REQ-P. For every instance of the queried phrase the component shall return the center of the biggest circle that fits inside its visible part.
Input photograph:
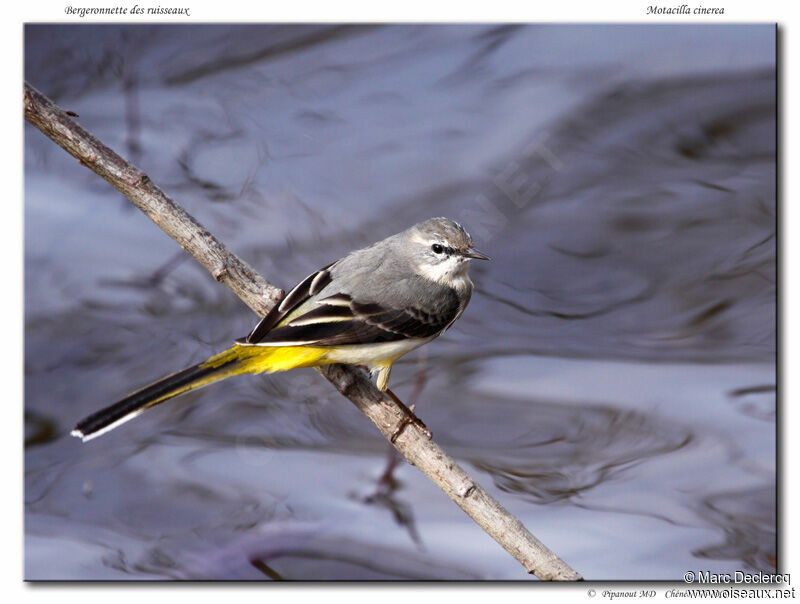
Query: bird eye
(438, 249)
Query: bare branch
(260, 296)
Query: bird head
(442, 250)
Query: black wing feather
(368, 323)
(351, 321)
(308, 287)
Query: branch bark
(413, 443)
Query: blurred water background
(612, 381)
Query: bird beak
(473, 253)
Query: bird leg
(383, 378)
(410, 418)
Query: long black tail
(149, 396)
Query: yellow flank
(267, 359)
(240, 359)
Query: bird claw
(410, 418)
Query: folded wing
(339, 319)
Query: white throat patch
(451, 272)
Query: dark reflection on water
(613, 376)
(747, 519)
(566, 453)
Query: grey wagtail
(369, 308)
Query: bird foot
(409, 419)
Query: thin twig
(413, 443)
